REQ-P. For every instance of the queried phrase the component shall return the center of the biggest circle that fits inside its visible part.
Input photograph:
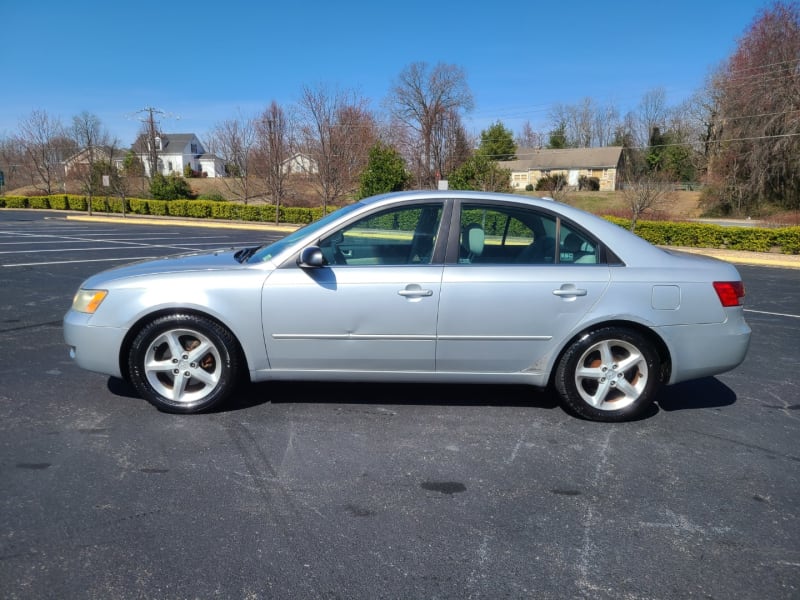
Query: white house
(300, 163)
(176, 151)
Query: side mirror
(312, 257)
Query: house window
(194, 148)
(158, 143)
(169, 164)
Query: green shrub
(214, 197)
(706, 235)
(41, 202)
(16, 202)
(138, 206)
(157, 207)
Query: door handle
(569, 292)
(417, 292)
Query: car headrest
(572, 243)
(473, 239)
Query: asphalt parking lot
(377, 491)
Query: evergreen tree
(385, 172)
(171, 187)
(558, 137)
(481, 173)
(497, 142)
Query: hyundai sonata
(427, 286)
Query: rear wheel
(183, 363)
(609, 374)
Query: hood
(213, 260)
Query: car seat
(472, 242)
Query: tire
(184, 363)
(609, 374)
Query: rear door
(505, 309)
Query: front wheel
(183, 363)
(609, 374)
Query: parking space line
(66, 262)
(774, 314)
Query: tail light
(730, 292)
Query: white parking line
(66, 262)
(774, 314)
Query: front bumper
(93, 348)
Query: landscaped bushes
(704, 235)
(195, 209)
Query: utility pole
(150, 123)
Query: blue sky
(203, 62)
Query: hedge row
(705, 235)
(196, 209)
(693, 235)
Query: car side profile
(425, 286)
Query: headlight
(87, 301)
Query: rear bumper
(706, 350)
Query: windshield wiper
(245, 253)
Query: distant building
(300, 164)
(79, 162)
(176, 151)
(533, 163)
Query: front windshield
(267, 252)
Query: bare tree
(274, 147)
(528, 138)
(424, 99)
(648, 192)
(91, 137)
(12, 162)
(337, 130)
(44, 142)
(652, 113)
(582, 117)
(586, 125)
(452, 146)
(234, 140)
(606, 123)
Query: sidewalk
(766, 259)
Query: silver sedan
(421, 286)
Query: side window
(492, 234)
(401, 236)
(576, 247)
(541, 250)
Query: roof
(567, 158)
(172, 143)
(176, 142)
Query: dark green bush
(16, 202)
(214, 197)
(705, 235)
